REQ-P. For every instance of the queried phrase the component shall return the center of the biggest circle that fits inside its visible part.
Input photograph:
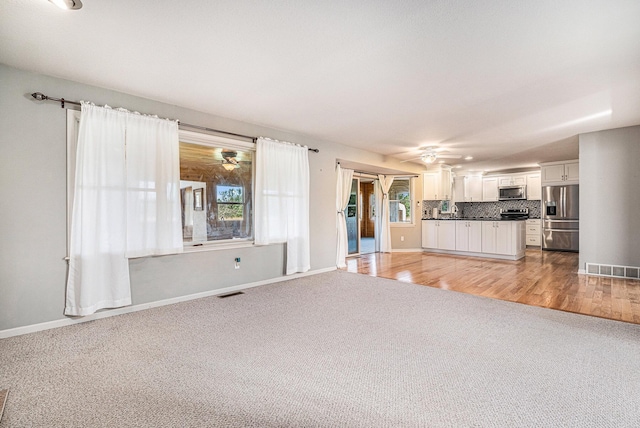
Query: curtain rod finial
(39, 96)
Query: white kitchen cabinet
(429, 234)
(439, 234)
(437, 185)
(489, 189)
(567, 172)
(512, 180)
(459, 189)
(492, 239)
(447, 234)
(534, 187)
(503, 237)
(467, 189)
(533, 235)
(469, 236)
(473, 188)
(430, 182)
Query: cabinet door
(519, 180)
(473, 189)
(462, 235)
(490, 189)
(504, 181)
(534, 187)
(572, 171)
(504, 235)
(475, 236)
(445, 184)
(552, 173)
(430, 186)
(488, 237)
(459, 184)
(429, 234)
(447, 235)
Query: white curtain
(385, 229)
(377, 225)
(343, 191)
(282, 200)
(126, 203)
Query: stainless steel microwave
(508, 193)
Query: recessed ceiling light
(67, 4)
(468, 158)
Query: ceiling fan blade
(412, 159)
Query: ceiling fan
(431, 153)
(229, 161)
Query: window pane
(400, 201)
(216, 188)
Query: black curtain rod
(42, 97)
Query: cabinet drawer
(533, 221)
(533, 240)
(533, 229)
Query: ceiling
(511, 83)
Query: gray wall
(610, 197)
(33, 204)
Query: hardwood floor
(548, 279)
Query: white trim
(582, 272)
(406, 250)
(135, 308)
(214, 140)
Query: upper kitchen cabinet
(467, 188)
(490, 189)
(512, 180)
(565, 172)
(534, 187)
(437, 185)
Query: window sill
(214, 246)
(402, 224)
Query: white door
(503, 237)
(447, 234)
(462, 235)
(429, 234)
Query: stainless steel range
(514, 214)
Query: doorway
(360, 216)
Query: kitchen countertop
(477, 219)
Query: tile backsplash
(483, 209)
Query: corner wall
(33, 204)
(610, 197)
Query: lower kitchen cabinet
(494, 239)
(469, 236)
(439, 234)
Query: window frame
(211, 140)
(411, 202)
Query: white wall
(33, 204)
(610, 197)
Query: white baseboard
(142, 306)
(406, 250)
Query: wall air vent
(613, 271)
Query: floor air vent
(613, 271)
(224, 296)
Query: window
(400, 201)
(216, 185)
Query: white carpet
(331, 350)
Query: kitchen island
(482, 237)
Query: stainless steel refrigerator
(560, 218)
